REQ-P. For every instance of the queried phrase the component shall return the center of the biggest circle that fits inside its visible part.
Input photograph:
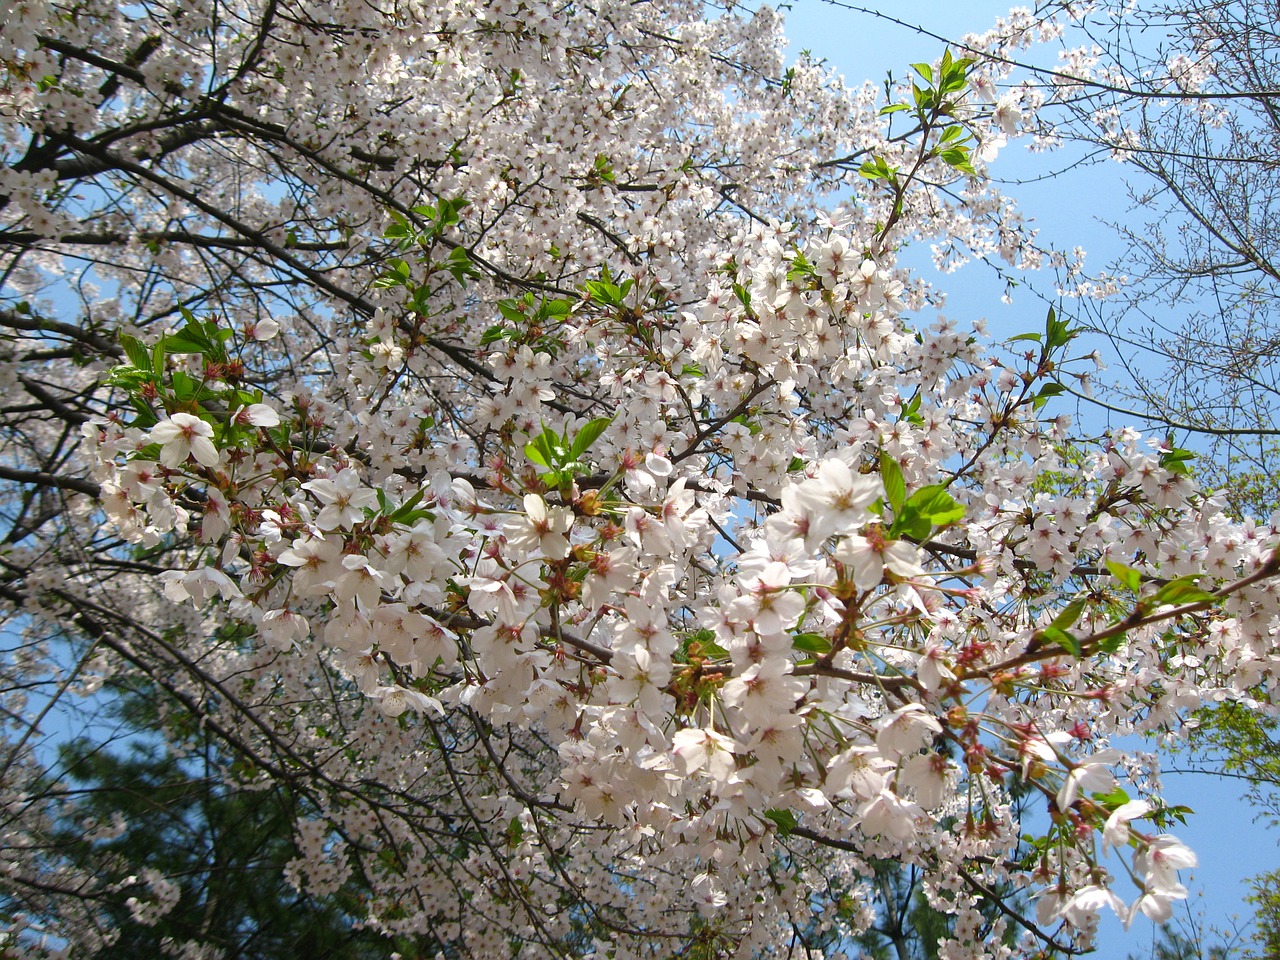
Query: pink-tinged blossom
(393, 701)
(698, 749)
(1086, 903)
(835, 500)
(256, 415)
(1116, 831)
(198, 585)
(1093, 775)
(542, 528)
(764, 691)
(933, 668)
(318, 562)
(344, 497)
(867, 558)
(283, 629)
(928, 775)
(906, 730)
(184, 436)
(360, 582)
(769, 606)
(887, 813)
(1158, 862)
(859, 771)
(1156, 907)
(262, 330)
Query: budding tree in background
(508, 431)
(1184, 95)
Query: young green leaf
(1128, 576)
(811, 643)
(895, 487)
(1181, 591)
(588, 435)
(786, 820)
(935, 505)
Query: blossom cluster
(612, 535)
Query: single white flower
(542, 528)
(1086, 902)
(1116, 831)
(182, 436)
(344, 497)
(868, 557)
(263, 329)
(257, 415)
(926, 773)
(1093, 775)
(1158, 864)
(696, 748)
(906, 730)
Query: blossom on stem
(344, 497)
(184, 436)
(542, 528)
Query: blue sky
(1230, 845)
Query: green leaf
(895, 487)
(1067, 641)
(588, 435)
(405, 508)
(184, 388)
(136, 351)
(878, 169)
(459, 265)
(1066, 619)
(1024, 336)
(1175, 460)
(811, 643)
(703, 644)
(1111, 800)
(1057, 332)
(785, 819)
(535, 451)
(1128, 576)
(146, 418)
(495, 333)
(604, 293)
(910, 524)
(1113, 643)
(713, 651)
(1046, 392)
(1181, 591)
(925, 70)
(911, 411)
(510, 310)
(184, 342)
(547, 449)
(934, 504)
(515, 832)
(1163, 816)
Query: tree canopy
(507, 437)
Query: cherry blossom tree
(1181, 98)
(509, 429)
